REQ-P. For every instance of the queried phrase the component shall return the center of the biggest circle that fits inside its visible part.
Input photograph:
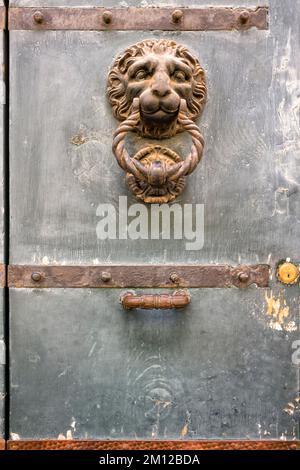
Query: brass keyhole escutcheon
(288, 273)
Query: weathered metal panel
(2, 344)
(222, 368)
(245, 217)
(82, 367)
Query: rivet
(107, 17)
(105, 276)
(243, 277)
(177, 16)
(38, 17)
(244, 16)
(174, 277)
(36, 277)
(288, 273)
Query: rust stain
(153, 445)
(136, 18)
(78, 140)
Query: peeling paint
(68, 436)
(2, 353)
(291, 326)
(293, 407)
(73, 424)
(184, 430)
(279, 311)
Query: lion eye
(179, 75)
(141, 75)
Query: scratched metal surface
(230, 346)
(82, 367)
(248, 179)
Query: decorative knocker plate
(157, 89)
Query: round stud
(38, 17)
(243, 277)
(105, 276)
(36, 277)
(177, 16)
(244, 16)
(174, 278)
(288, 273)
(107, 17)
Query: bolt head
(36, 277)
(38, 17)
(243, 277)
(244, 16)
(107, 17)
(177, 16)
(174, 277)
(105, 276)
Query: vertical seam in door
(6, 213)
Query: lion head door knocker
(157, 89)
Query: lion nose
(161, 87)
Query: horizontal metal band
(2, 444)
(146, 19)
(151, 445)
(138, 276)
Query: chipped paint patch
(68, 436)
(14, 436)
(293, 407)
(2, 353)
(291, 326)
(184, 430)
(278, 311)
(73, 424)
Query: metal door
(82, 367)
(2, 260)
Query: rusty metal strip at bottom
(138, 276)
(147, 19)
(2, 444)
(2, 275)
(151, 445)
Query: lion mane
(116, 85)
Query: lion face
(160, 73)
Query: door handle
(179, 299)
